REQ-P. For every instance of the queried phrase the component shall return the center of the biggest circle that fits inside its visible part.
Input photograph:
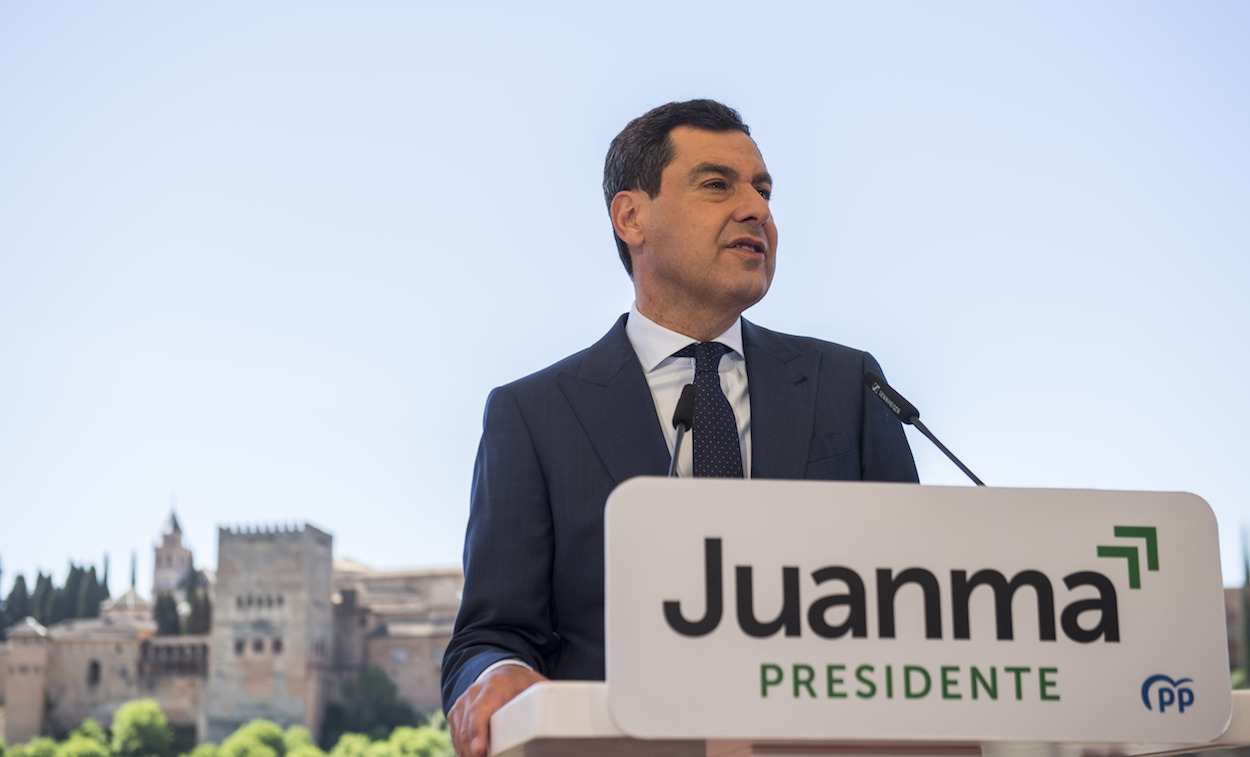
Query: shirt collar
(655, 344)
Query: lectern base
(571, 719)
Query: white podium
(774, 618)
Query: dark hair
(640, 153)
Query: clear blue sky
(271, 257)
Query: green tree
(259, 738)
(65, 601)
(41, 746)
(165, 613)
(245, 745)
(104, 582)
(301, 750)
(371, 705)
(379, 749)
(297, 736)
(88, 603)
(91, 728)
(141, 730)
(41, 599)
(78, 745)
(17, 606)
(438, 721)
(207, 749)
(425, 741)
(200, 620)
(350, 745)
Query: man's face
(708, 243)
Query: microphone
(683, 420)
(907, 413)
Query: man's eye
(765, 192)
(716, 184)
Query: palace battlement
(272, 532)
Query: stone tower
(26, 700)
(272, 636)
(171, 562)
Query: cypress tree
(65, 604)
(165, 613)
(201, 614)
(17, 606)
(88, 605)
(41, 599)
(201, 611)
(191, 581)
(197, 600)
(104, 582)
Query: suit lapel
(781, 380)
(611, 399)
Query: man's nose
(753, 208)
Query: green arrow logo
(1150, 535)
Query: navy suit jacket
(555, 444)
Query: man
(688, 195)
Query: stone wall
(27, 660)
(91, 678)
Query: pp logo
(1167, 693)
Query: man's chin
(749, 296)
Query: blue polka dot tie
(717, 453)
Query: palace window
(93, 673)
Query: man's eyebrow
(763, 177)
(716, 168)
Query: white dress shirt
(666, 375)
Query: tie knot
(706, 355)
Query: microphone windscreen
(684, 414)
(899, 405)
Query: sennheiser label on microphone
(877, 390)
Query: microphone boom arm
(916, 422)
(907, 413)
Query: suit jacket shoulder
(601, 394)
(811, 415)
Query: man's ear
(626, 212)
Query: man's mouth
(750, 245)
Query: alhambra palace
(289, 624)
